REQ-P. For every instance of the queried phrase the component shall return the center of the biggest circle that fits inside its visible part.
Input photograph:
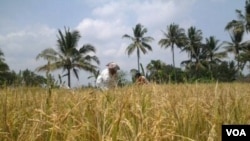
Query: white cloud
(116, 18)
(108, 10)
(21, 47)
(153, 13)
(158, 13)
(106, 36)
(100, 29)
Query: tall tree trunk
(210, 67)
(172, 47)
(69, 78)
(237, 58)
(138, 59)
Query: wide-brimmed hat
(113, 65)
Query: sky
(29, 26)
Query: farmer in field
(140, 79)
(108, 78)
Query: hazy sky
(29, 26)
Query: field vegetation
(169, 112)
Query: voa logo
(236, 132)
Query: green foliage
(122, 79)
(68, 57)
(7, 78)
(159, 72)
(225, 72)
(29, 78)
(4, 70)
(24, 78)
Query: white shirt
(105, 80)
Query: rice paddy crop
(170, 112)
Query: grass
(183, 112)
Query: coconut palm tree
(193, 47)
(246, 17)
(139, 42)
(243, 22)
(212, 47)
(236, 29)
(236, 45)
(175, 36)
(245, 55)
(212, 53)
(68, 57)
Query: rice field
(170, 112)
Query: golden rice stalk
(212, 134)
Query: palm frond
(130, 49)
(76, 73)
(143, 31)
(96, 59)
(239, 14)
(48, 54)
(61, 42)
(87, 48)
(129, 37)
(164, 43)
(147, 39)
(146, 47)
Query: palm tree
(196, 65)
(243, 22)
(235, 46)
(236, 29)
(245, 55)
(139, 42)
(236, 25)
(193, 47)
(68, 57)
(212, 47)
(173, 36)
(212, 54)
(247, 15)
